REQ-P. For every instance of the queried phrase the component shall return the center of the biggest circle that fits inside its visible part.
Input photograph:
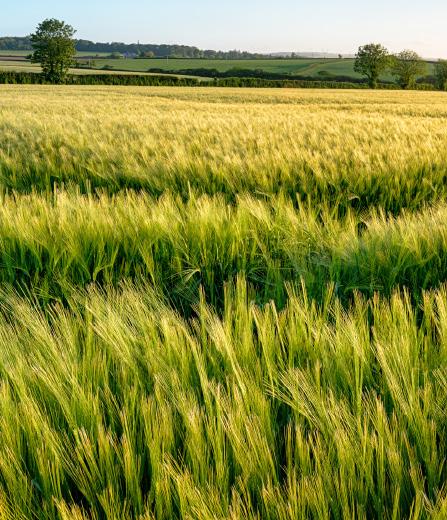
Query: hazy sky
(256, 25)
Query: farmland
(313, 67)
(8, 65)
(316, 68)
(222, 303)
(289, 66)
(301, 67)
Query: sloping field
(298, 66)
(295, 66)
(304, 67)
(222, 303)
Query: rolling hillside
(280, 66)
(311, 67)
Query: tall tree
(54, 49)
(406, 67)
(441, 74)
(371, 61)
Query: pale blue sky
(256, 25)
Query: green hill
(315, 67)
(309, 67)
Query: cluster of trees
(373, 59)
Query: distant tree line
(9, 43)
(136, 49)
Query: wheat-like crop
(221, 303)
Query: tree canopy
(441, 74)
(54, 48)
(406, 67)
(371, 61)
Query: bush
(441, 74)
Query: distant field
(18, 66)
(303, 67)
(26, 66)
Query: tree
(441, 74)
(371, 61)
(54, 49)
(406, 67)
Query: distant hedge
(24, 78)
(274, 83)
(310, 83)
(237, 72)
(29, 78)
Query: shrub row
(309, 83)
(274, 83)
(22, 78)
(237, 72)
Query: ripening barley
(220, 303)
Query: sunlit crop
(222, 304)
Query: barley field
(222, 304)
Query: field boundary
(146, 80)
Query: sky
(253, 25)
